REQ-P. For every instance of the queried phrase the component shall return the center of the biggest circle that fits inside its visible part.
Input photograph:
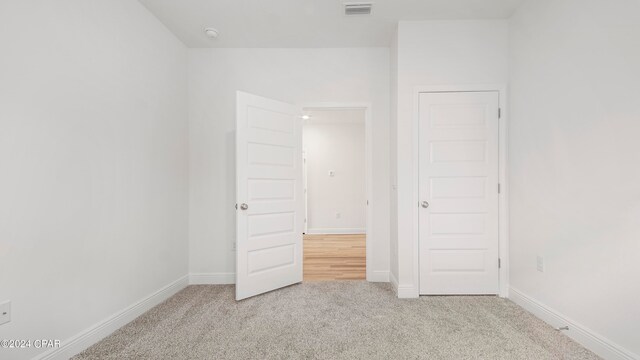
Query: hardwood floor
(334, 257)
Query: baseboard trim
(407, 292)
(99, 331)
(378, 276)
(393, 280)
(212, 278)
(403, 291)
(230, 278)
(348, 231)
(591, 340)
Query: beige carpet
(334, 320)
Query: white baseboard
(230, 278)
(407, 292)
(403, 291)
(327, 231)
(212, 278)
(378, 276)
(591, 340)
(393, 280)
(99, 331)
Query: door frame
(503, 202)
(368, 168)
(304, 185)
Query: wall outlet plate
(540, 263)
(5, 312)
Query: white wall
(393, 159)
(436, 53)
(574, 161)
(93, 163)
(338, 147)
(294, 75)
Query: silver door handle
(424, 204)
(244, 206)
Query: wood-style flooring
(334, 257)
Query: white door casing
(305, 191)
(458, 178)
(269, 183)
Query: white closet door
(459, 193)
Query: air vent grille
(357, 9)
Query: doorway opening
(335, 193)
(270, 204)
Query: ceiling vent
(357, 9)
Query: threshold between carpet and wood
(334, 320)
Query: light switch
(332, 173)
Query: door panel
(269, 182)
(459, 180)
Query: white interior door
(269, 195)
(459, 166)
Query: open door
(270, 207)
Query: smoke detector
(211, 32)
(359, 8)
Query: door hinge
(499, 113)
(499, 188)
(236, 206)
(499, 264)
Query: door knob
(244, 206)
(424, 204)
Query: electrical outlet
(5, 312)
(338, 215)
(540, 263)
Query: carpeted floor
(334, 320)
